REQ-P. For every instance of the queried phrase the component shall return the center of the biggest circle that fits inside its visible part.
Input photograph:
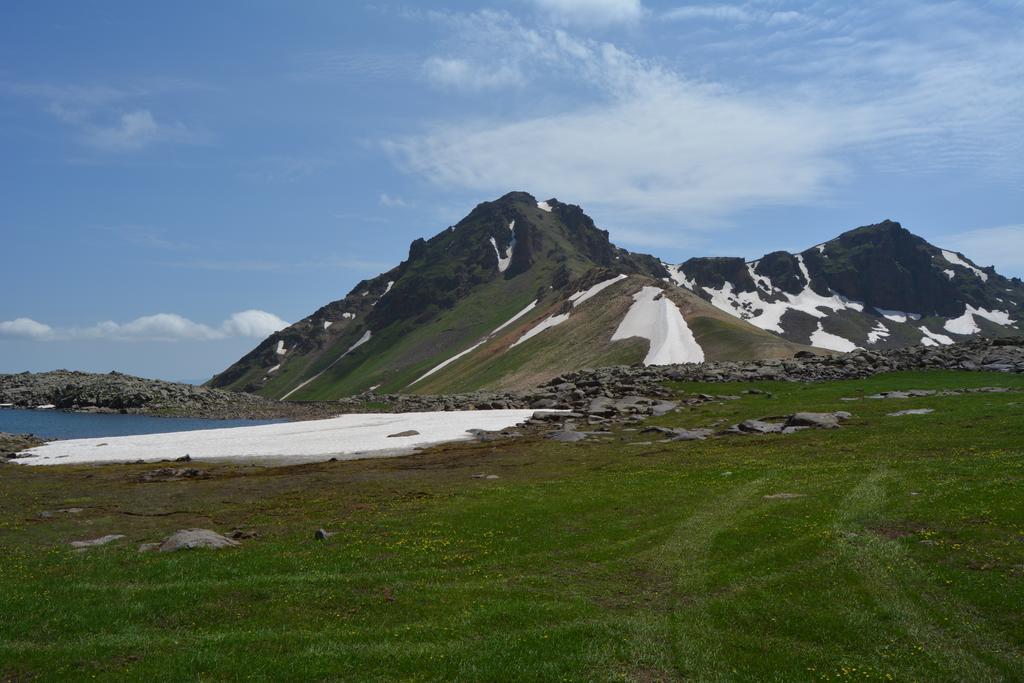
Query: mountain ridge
(521, 290)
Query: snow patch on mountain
(328, 323)
(546, 324)
(544, 206)
(933, 339)
(579, 297)
(281, 350)
(966, 324)
(655, 317)
(955, 259)
(767, 314)
(897, 316)
(362, 340)
(505, 259)
(474, 347)
(878, 332)
(827, 340)
(677, 276)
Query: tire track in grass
(685, 558)
(936, 621)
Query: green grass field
(901, 556)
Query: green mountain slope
(456, 290)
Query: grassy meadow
(891, 549)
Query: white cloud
(605, 127)
(718, 12)
(593, 12)
(253, 323)
(159, 327)
(164, 327)
(650, 141)
(108, 118)
(391, 202)
(25, 328)
(463, 74)
(1001, 246)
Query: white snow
(391, 283)
(679, 277)
(955, 259)
(517, 316)
(827, 340)
(362, 340)
(579, 297)
(504, 260)
(898, 316)
(280, 347)
(545, 324)
(655, 317)
(544, 206)
(966, 324)
(274, 369)
(328, 323)
(760, 281)
(878, 332)
(480, 343)
(933, 339)
(6, 405)
(46, 406)
(348, 316)
(949, 273)
(820, 248)
(374, 387)
(347, 437)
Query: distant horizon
(167, 209)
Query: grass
(611, 559)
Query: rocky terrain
(118, 393)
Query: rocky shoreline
(116, 392)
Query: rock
(784, 496)
(149, 547)
(486, 476)
(191, 539)
(914, 411)
(817, 420)
(691, 434)
(322, 534)
(102, 540)
(408, 432)
(757, 427)
(172, 474)
(184, 458)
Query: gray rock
(817, 420)
(191, 539)
(102, 540)
(408, 432)
(784, 496)
(915, 411)
(757, 427)
(322, 534)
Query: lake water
(56, 424)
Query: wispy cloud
(592, 12)
(391, 201)
(111, 119)
(462, 74)
(639, 135)
(164, 327)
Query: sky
(181, 179)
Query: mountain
(514, 294)
(521, 291)
(878, 286)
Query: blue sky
(181, 178)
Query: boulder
(192, 539)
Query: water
(56, 424)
